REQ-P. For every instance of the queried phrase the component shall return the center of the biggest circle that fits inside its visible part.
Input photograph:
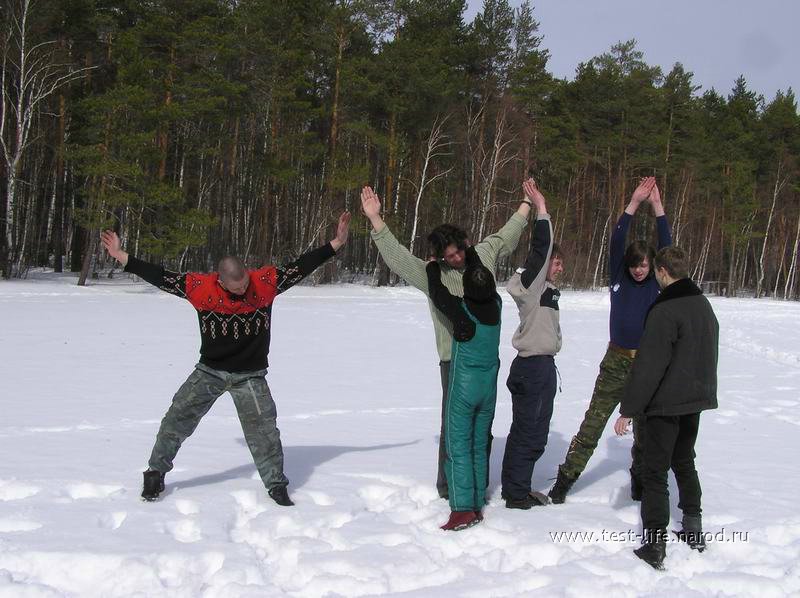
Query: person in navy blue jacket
(633, 290)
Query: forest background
(199, 128)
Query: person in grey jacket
(532, 378)
(673, 379)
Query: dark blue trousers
(532, 383)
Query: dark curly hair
(445, 235)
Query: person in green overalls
(472, 389)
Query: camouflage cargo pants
(607, 394)
(255, 408)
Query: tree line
(200, 128)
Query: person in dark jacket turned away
(472, 385)
(673, 379)
(234, 310)
(532, 377)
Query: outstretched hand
(342, 231)
(370, 202)
(532, 192)
(113, 246)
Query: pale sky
(716, 39)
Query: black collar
(680, 288)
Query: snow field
(88, 374)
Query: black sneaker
(281, 496)
(153, 485)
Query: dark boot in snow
(558, 493)
(654, 548)
(478, 515)
(692, 532)
(532, 499)
(460, 520)
(281, 496)
(636, 487)
(153, 485)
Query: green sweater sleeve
(400, 260)
(503, 242)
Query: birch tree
(30, 74)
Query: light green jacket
(412, 269)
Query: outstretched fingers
(110, 241)
(370, 203)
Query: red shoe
(478, 515)
(460, 520)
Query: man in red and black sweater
(234, 310)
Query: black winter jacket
(675, 370)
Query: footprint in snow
(184, 530)
(320, 498)
(88, 490)
(113, 520)
(187, 507)
(8, 525)
(13, 490)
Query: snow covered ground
(87, 374)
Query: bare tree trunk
(788, 288)
(780, 267)
(779, 184)
(437, 145)
(58, 207)
(600, 256)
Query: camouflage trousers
(607, 394)
(255, 408)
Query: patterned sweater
(234, 329)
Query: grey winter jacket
(675, 370)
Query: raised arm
(662, 226)
(448, 304)
(616, 251)
(505, 240)
(542, 243)
(397, 257)
(290, 274)
(171, 282)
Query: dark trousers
(532, 383)
(441, 476)
(669, 444)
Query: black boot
(636, 487)
(558, 493)
(153, 485)
(532, 499)
(654, 548)
(281, 496)
(692, 532)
